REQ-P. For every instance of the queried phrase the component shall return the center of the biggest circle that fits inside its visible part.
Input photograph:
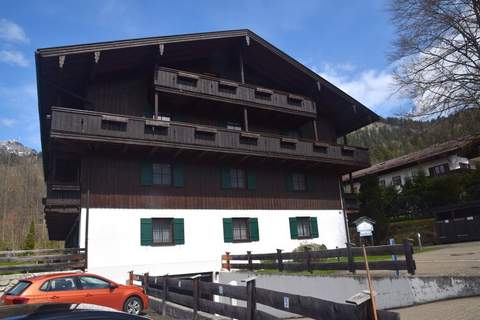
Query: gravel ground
(456, 309)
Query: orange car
(77, 288)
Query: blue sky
(345, 41)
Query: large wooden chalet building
(162, 153)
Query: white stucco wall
(114, 239)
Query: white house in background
(162, 153)
(439, 159)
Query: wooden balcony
(205, 87)
(93, 126)
(62, 197)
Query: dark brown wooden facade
(207, 101)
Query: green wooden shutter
(178, 177)
(146, 175)
(226, 181)
(227, 230)
(310, 183)
(146, 234)
(178, 231)
(314, 227)
(293, 228)
(289, 182)
(251, 180)
(254, 234)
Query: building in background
(162, 153)
(440, 159)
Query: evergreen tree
(29, 243)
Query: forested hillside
(394, 137)
(21, 192)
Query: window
(298, 182)
(240, 229)
(17, 289)
(397, 181)
(237, 178)
(60, 284)
(162, 231)
(303, 227)
(234, 126)
(439, 170)
(381, 183)
(93, 283)
(162, 174)
(464, 165)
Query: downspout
(345, 217)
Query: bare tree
(437, 54)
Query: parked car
(77, 288)
(63, 311)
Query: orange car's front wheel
(133, 305)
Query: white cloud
(12, 32)
(7, 122)
(374, 88)
(13, 57)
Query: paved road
(457, 309)
(461, 259)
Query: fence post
(279, 260)
(228, 260)
(165, 294)
(251, 299)
(130, 277)
(338, 255)
(309, 259)
(196, 295)
(351, 263)
(250, 266)
(145, 282)
(408, 250)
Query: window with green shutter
(178, 231)
(303, 227)
(227, 230)
(146, 234)
(310, 183)
(251, 180)
(226, 181)
(146, 174)
(178, 176)
(254, 234)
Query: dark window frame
(397, 182)
(295, 182)
(247, 228)
(171, 230)
(307, 226)
(170, 182)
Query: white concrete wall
(114, 239)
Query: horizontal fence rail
(333, 259)
(196, 294)
(39, 260)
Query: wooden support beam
(247, 40)
(61, 61)
(319, 86)
(161, 48)
(242, 70)
(156, 105)
(245, 119)
(96, 56)
(315, 131)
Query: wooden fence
(334, 259)
(197, 295)
(42, 260)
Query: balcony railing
(233, 92)
(61, 196)
(94, 126)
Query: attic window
(187, 79)
(227, 87)
(114, 123)
(294, 100)
(263, 94)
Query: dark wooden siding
(115, 183)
